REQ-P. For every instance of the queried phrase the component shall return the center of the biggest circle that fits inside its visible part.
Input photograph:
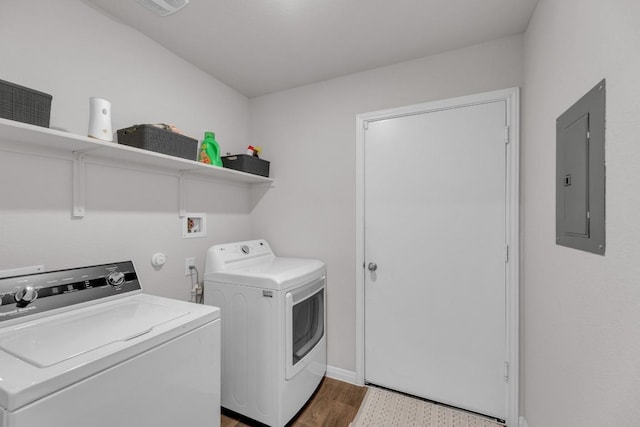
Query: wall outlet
(188, 263)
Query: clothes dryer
(274, 349)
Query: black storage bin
(24, 105)
(153, 138)
(246, 163)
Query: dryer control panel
(232, 255)
(30, 294)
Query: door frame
(512, 259)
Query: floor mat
(384, 408)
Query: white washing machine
(85, 347)
(274, 348)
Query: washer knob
(115, 279)
(26, 295)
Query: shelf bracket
(181, 196)
(79, 184)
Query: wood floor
(334, 404)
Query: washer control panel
(37, 293)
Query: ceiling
(263, 46)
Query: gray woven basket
(25, 105)
(247, 163)
(152, 138)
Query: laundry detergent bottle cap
(210, 150)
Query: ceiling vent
(163, 7)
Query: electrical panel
(580, 173)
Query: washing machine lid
(42, 356)
(277, 273)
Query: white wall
(309, 134)
(71, 51)
(582, 311)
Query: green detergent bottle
(210, 150)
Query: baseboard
(523, 422)
(341, 374)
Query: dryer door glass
(307, 325)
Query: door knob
(373, 266)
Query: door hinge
(506, 135)
(365, 125)
(506, 371)
(506, 253)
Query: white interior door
(434, 224)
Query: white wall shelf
(26, 138)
